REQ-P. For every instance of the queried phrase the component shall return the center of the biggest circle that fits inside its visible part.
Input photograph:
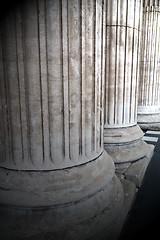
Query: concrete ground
(144, 217)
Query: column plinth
(122, 136)
(126, 144)
(149, 117)
(149, 85)
(54, 171)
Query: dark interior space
(144, 217)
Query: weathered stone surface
(129, 152)
(82, 220)
(136, 171)
(130, 191)
(151, 126)
(149, 85)
(51, 100)
(126, 144)
(48, 188)
(123, 33)
(122, 136)
(56, 180)
(131, 176)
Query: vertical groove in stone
(121, 62)
(139, 26)
(18, 95)
(55, 79)
(94, 77)
(65, 77)
(22, 82)
(33, 81)
(4, 124)
(149, 83)
(53, 54)
(89, 73)
(40, 77)
(82, 64)
(22, 38)
(11, 86)
(103, 51)
(126, 63)
(97, 72)
(74, 76)
(155, 56)
(44, 80)
(151, 59)
(116, 66)
(131, 116)
(83, 75)
(111, 58)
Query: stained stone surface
(123, 35)
(51, 101)
(48, 188)
(81, 220)
(126, 144)
(56, 180)
(122, 136)
(149, 85)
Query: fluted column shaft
(122, 68)
(52, 57)
(52, 85)
(51, 107)
(149, 85)
(123, 30)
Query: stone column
(122, 135)
(52, 156)
(149, 85)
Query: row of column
(68, 90)
(53, 57)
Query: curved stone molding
(53, 161)
(84, 220)
(149, 85)
(75, 184)
(122, 74)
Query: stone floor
(144, 216)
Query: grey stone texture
(149, 84)
(122, 135)
(68, 89)
(52, 85)
(56, 180)
(126, 144)
(82, 220)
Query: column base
(150, 126)
(126, 144)
(41, 189)
(149, 122)
(79, 203)
(82, 220)
(148, 117)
